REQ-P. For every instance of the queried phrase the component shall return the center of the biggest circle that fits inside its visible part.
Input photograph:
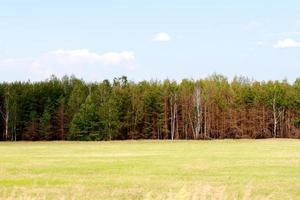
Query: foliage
(86, 124)
(214, 107)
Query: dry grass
(224, 170)
(206, 192)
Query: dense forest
(71, 109)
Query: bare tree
(173, 114)
(5, 115)
(276, 115)
(198, 116)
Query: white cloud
(286, 43)
(84, 56)
(287, 34)
(81, 62)
(117, 58)
(251, 25)
(260, 43)
(162, 37)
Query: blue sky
(150, 39)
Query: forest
(69, 108)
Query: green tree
(86, 123)
(46, 128)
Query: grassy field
(221, 169)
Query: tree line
(210, 108)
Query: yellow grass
(222, 169)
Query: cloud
(84, 56)
(291, 33)
(162, 37)
(80, 62)
(260, 43)
(251, 25)
(286, 43)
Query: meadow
(218, 169)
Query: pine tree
(86, 123)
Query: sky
(149, 39)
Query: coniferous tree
(193, 109)
(86, 123)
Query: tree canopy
(214, 107)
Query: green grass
(221, 169)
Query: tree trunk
(274, 118)
(198, 110)
(6, 118)
(173, 115)
(62, 122)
